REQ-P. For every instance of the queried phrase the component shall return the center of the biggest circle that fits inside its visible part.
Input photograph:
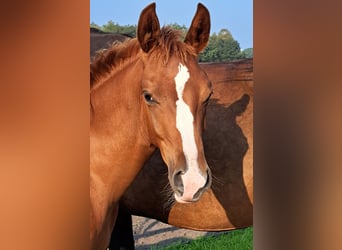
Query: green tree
(94, 25)
(113, 27)
(221, 47)
(248, 53)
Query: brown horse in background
(103, 40)
(228, 143)
(147, 93)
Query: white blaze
(192, 179)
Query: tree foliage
(248, 53)
(221, 47)
(113, 27)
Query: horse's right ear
(148, 28)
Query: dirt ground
(152, 233)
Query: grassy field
(233, 240)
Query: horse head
(175, 92)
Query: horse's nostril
(177, 181)
(198, 194)
(207, 185)
(209, 179)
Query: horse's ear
(198, 34)
(148, 28)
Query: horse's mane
(120, 54)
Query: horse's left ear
(198, 34)
(148, 28)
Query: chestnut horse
(147, 93)
(228, 144)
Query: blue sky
(236, 16)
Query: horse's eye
(148, 98)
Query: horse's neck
(116, 104)
(118, 144)
(112, 171)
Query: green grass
(241, 239)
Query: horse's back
(103, 40)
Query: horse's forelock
(169, 43)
